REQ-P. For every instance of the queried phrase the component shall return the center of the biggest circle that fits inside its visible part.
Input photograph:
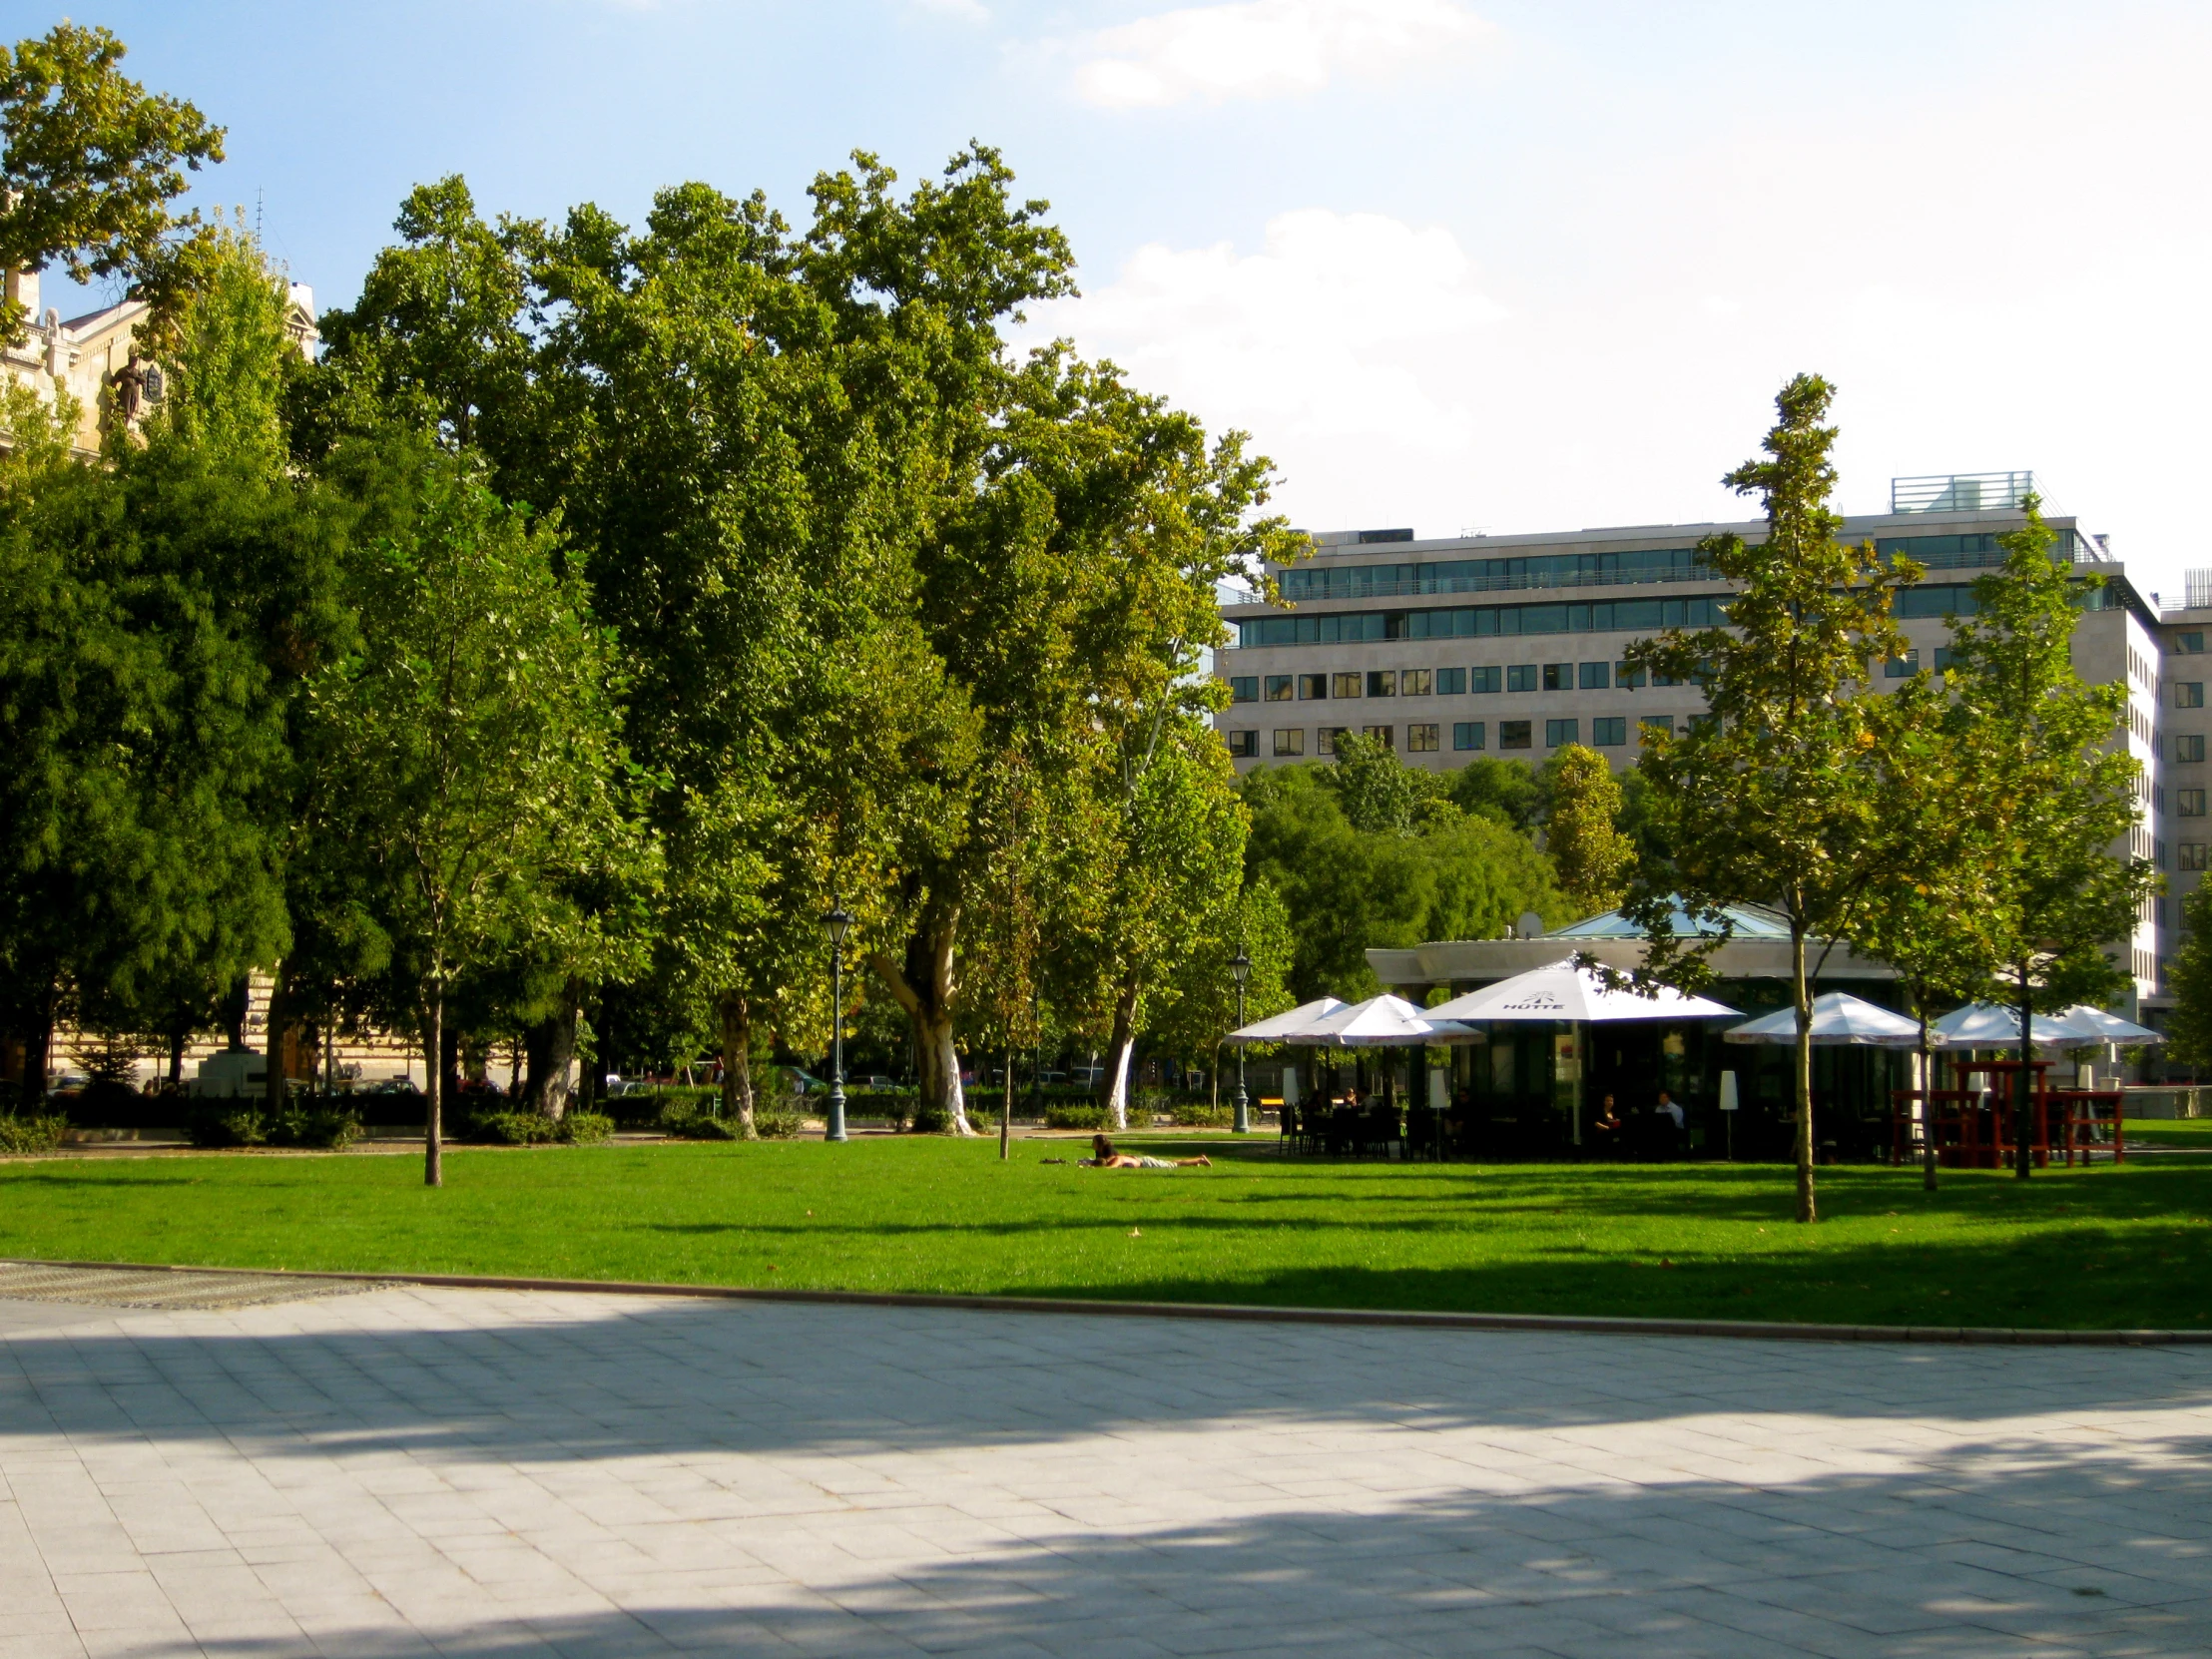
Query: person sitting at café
(1607, 1128)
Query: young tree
(1768, 799)
(89, 165)
(1927, 908)
(477, 733)
(1592, 856)
(2062, 889)
(2189, 1027)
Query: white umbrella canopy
(2105, 1027)
(1840, 1021)
(1281, 1027)
(1563, 992)
(1379, 1022)
(1988, 1025)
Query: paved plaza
(472, 1472)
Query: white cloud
(1342, 343)
(1264, 48)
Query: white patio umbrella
(1988, 1025)
(1379, 1022)
(1563, 992)
(1840, 1021)
(1278, 1027)
(2105, 1027)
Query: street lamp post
(837, 921)
(1240, 970)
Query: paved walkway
(411, 1471)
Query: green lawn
(2102, 1248)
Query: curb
(1581, 1324)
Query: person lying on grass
(1105, 1156)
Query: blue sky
(1456, 265)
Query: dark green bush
(220, 1123)
(586, 1128)
(686, 1119)
(778, 1121)
(509, 1128)
(30, 1134)
(1085, 1113)
(1200, 1114)
(323, 1128)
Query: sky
(1457, 266)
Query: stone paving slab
(416, 1470)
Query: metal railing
(1959, 492)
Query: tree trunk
(1118, 1052)
(272, 1089)
(1927, 1102)
(234, 1015)
(923, 987)
(737, 1063)
(1007, 1108)
(433, 1062)
(176, 1059)
(548, 1050)
(449, 1059)
(1801, 1000)
(2023, 1128)
(38, 1054)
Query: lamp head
(838, 921)
(1240, 968)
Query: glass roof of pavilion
(1745, 921)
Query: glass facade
(1606, 616)
(1470, 734)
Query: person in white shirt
(1670, 1108)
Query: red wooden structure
(1973, 1127)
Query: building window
(1659, 679)
(1279, 688)
(2189, 643)
(2158, 854)
(2158, 798)
(1559, 732)
(2189, 745)
(1244, 688)
(1244, 745)
(1421, 740)
(1325, 739)
(1381, 682)
(1558, 677)
(1628, 676)
(1609, 730)
(2189, 855)
(2188, 802)
(1289, 743)
(1485, 679)
(1514, 734)
(1470, 734)
(1383, 735)
(1902, 667)
(2188, 693)
(1313, 685)
(1595, 676)
(1656, 723)
(1452, 682)
(1413, 682)
(1343, 685)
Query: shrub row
(30, 1134)
(215, 1123)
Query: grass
(2105, 1247)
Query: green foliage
(777, 1122)
(580, 1128)
(89, 165)
(1771, 798)
(1593, 858)
(2189, 978)
(1076, 1113)
(2055, 796)
(1510, 791)
(1463, 876)
(34, 1132)
(687, 1118)
(299, 1123)
(229, 356)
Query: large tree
(2062, 891)
(478, 734)
(1592, 856)
(1769, 798)
(90, 163)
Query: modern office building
(1451, 648)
